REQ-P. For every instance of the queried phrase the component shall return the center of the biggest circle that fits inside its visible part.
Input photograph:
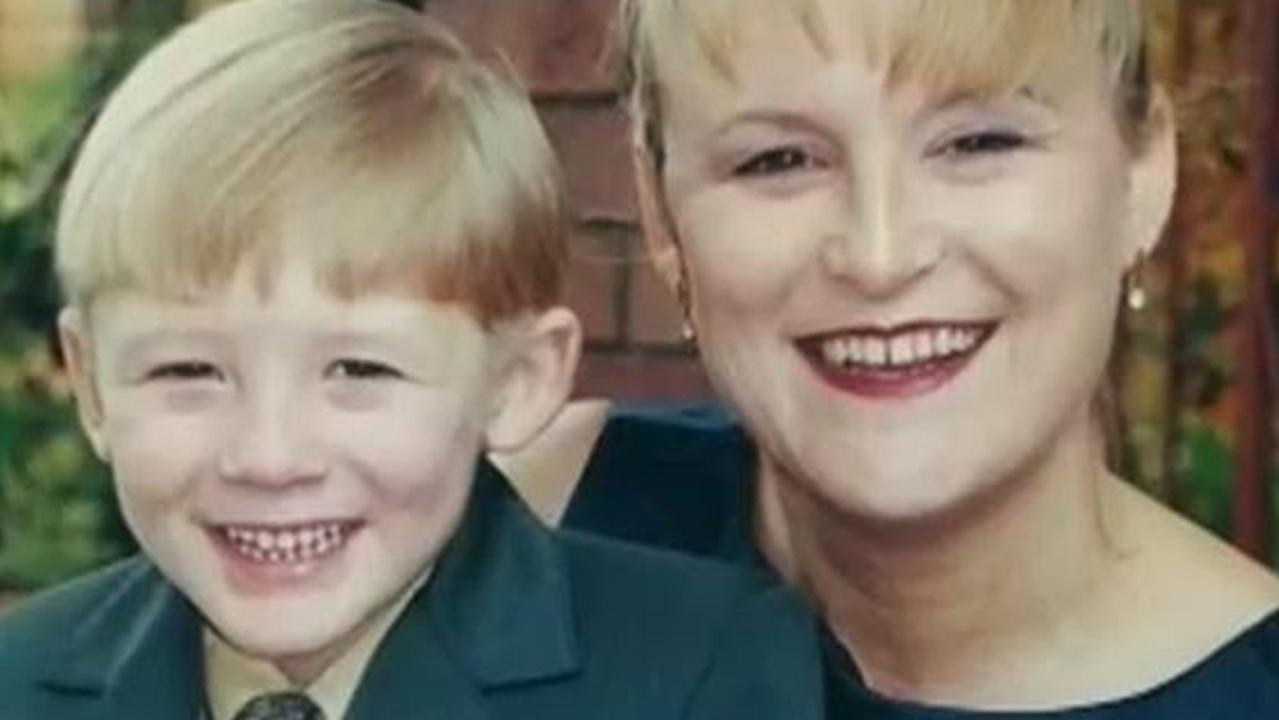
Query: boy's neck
(329, 676)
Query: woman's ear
(655, 220)
(535, 376)
(77, 353)
(1152, 177)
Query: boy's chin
(287, 639)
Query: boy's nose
(270, 446)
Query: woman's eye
(355, 369)
(984, 143)
(775, 161)
(186, 370)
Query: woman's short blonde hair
(978, 46)
(354, 135)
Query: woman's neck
(967, 609)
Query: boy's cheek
(160, 457)
(402, 443)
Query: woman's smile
(895, 362)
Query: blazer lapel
(495, 613)
(136, 656)
(413, 676)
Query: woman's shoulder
(1201, 578)
(674, 476)
(681, 438)
(730, 642)
(1208, 618)
(1238, 680)
(678, 477)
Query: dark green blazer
(517, 622)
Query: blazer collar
(128, 648)
(501, 595)
(495, 613)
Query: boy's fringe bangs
(447, 191)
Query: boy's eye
(775, 161)
(358, 369)
(185, 370)
(983, 143)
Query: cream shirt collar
(232, 678)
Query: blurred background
(1194, 372)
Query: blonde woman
(900, 230)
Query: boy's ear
(77, 353)
(536, 377)
(1152, 178)
(655, 219)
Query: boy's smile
(272, 557)
(286, 544)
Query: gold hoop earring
(1135, 294)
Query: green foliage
(57, 517)
(1206, 468)
(57, 511)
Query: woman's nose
(878, 245)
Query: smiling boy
(312, 256)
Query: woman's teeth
(900, 350)
(282, 545)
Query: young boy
(312, 255)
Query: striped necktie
(280, 706)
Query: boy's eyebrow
(168, 335)
(406, 348)
(375, 336)
(136, 344)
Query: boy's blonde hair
(977, 46)
(351, 134)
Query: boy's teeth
(901, 350)
(285, 545)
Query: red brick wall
(562, 50)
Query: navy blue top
(683, 478)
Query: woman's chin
(907, 499)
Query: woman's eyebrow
(962, 97)
(771, 117)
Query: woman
(901, 230)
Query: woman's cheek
(741, 260)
